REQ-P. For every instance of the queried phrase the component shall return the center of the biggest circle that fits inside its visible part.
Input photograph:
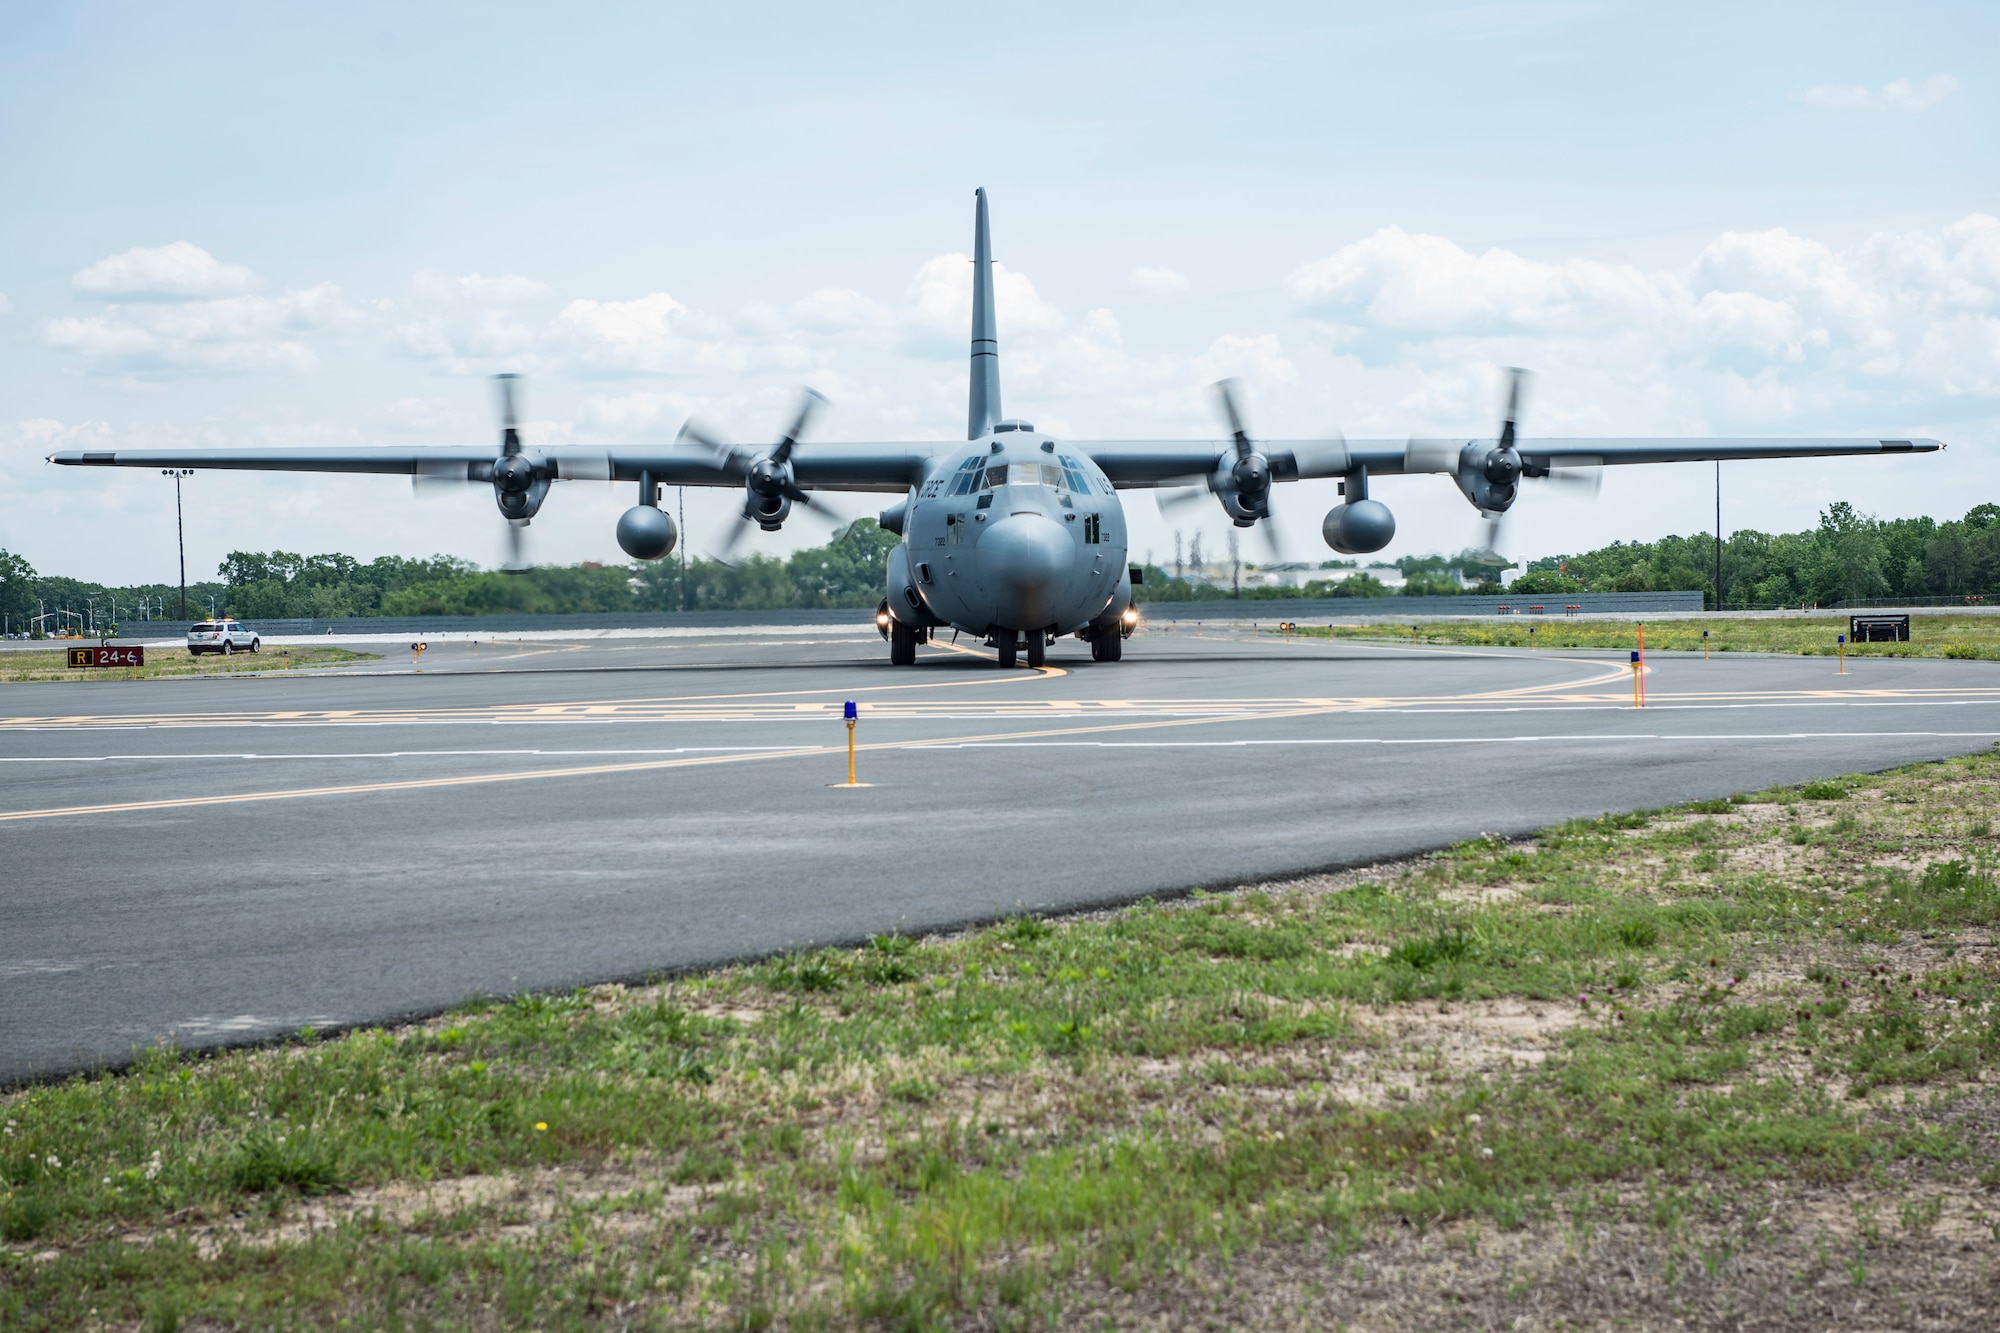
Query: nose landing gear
(1008, 644)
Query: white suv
(221, 636)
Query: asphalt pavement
(222, 859)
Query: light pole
(1718, 535)
(180, 530)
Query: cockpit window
(967, 480)
(975, 474)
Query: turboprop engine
(769, 486)
(1490, 477)
(765, 501)
(519, 486)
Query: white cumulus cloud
(1159, 281)
(1762, 326)
(941, 296)
(1416, 284)
(1897, 95)
(468, 318)
(234, 334)
(178, 272)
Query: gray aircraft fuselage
(1013, 532)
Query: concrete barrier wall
(1403, 608)
(502, 624)
(1302, 608)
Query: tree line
(851, 571)
(1849, 556)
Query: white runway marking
(1003, 744)
(379, 754)
(1583, 738)
(816, 715)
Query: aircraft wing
(895, 467)
(887, 467)
(1141, 463)
(404, 462)
(1724, 449)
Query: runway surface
(210, 860)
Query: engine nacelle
(1359, 527)
(645, 533)
(518, 489)
(768, 512)
(1490, 480)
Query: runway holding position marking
(207, 860)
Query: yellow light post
(1842, 638)
(1638, 699)
(851, 713)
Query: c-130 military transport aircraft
(1009, 535)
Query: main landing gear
(903, 639)
(1106, 635)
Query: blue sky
(251, 225)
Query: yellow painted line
(835, 694)
(769, 705)
(583, 771)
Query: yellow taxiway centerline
(593, 770)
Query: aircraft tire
(1038, 651)
(902, 644)
(1108, 646)
(1008, 646)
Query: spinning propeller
(769, 486)
(519, 476)
(1502, 467)
(1244, 487)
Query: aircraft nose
(1022, 560)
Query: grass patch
(30, 665)
(1939, 635)
(1670, 1011)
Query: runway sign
(1879, 629)
(107, 656)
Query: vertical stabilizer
(983, 407)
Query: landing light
(1131, 615)
(882, 619)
